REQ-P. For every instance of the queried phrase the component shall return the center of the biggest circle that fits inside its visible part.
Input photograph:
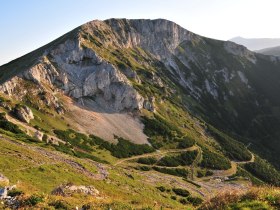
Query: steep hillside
(152, 101)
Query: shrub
(185, 158)
(8, 126)
(183, 201)
(161, 188)
(173, 197)
(214, 161)
(158, 128)
(181, 192)
(186, 142)
(59, 204)
(196, 201)
(14, 192)
(123, 148)
(76, 139)
(33, 200)
(147, 161)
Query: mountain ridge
(147, 98)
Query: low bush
(147, 161)
(8, 126)
(183, 201)
(161, 188)
(173, 197)
(123, 148)
(196, 201)
(33, 200)
(75, 139)
(185, 158)
(214, 160)
(186, 142)
(160, 131)
(14, 192)
(59, 204)
(181, 192)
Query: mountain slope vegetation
(138, 107)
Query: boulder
(3, 193)
(149, 104)
(38, 135)
(69, 189)
(23, 113)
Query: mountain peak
(158, 36)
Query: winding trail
(157, 153)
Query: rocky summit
(143, 108)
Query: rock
(149, 104)
(52, 140)
(157, 80)
(5, 105)
(38, 135)
(4, 191)
(23, 113)
(69, 189)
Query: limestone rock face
(160, 37)
(86, 75)
(69, 189)
(23, 113)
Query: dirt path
(229, 172)
(157, 153)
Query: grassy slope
(119, 187)
(37, 173)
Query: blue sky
(29, 24)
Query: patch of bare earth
(90, 118)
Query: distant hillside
(255, 43)
(270, 51)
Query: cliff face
(78, 73)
